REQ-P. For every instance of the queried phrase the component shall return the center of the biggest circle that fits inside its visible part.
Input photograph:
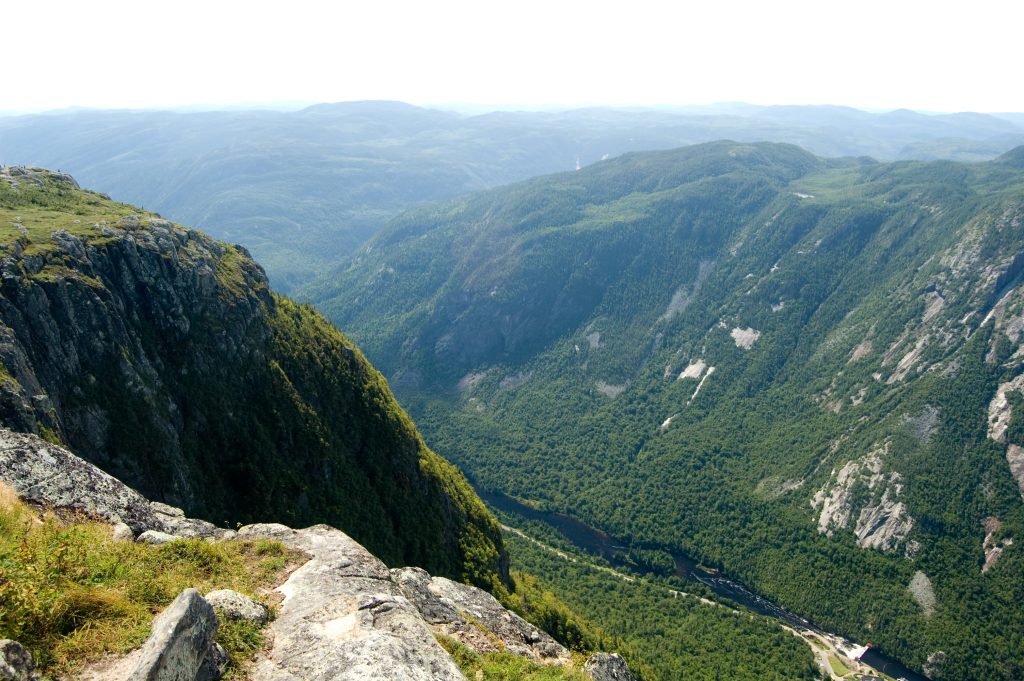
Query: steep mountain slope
(804, 372)
(300, 189)
(162, 356)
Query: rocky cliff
(162, 356)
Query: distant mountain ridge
(806, 372)
(302, 189)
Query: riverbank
(852, 661)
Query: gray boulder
(608, 667)
(236, 606)
(181, 647)
(15, 662)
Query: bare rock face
(181, 647)
(15, 662)
(999, 410)
(608, 667)
(46, 474)
(882, 520)
(344, 618)
(475, 618)
(1015, 459)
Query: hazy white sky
(936, 55)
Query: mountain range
(804, 372)
(301, 189)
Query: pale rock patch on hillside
(471, 380)
(745, 338)
(779, 306)
(934, 302)
(666, 423)
(993, 549)
(513, 381)
(862, 350)
(921, 589)
(1015, 458)
(883, 521)
(608, 390)
(685, 294)
(999, 410)
(594, 339)
(700, 385)
(924, 423)
(774, 486)
(907, 361)
(693, 370)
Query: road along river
(601, 544)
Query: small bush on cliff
(70, 594)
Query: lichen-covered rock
(343, 618)
(883, 521)
(608, 667)
(47, 474)
(515, 634)
(236, 606)
(15, 662)
(181, 647)
(416, 585)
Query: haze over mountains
(301, 189)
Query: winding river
(602, 544)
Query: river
(604, 545)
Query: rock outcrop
(43, 473)
(882, 519)
(344, 614)
(344, 618)
(608, 667)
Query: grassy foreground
(70, 594)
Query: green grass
(838, 668)
(57, 206)
(502, 666)
(70, 594)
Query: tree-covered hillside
(162, 356)
(805, 372)
(301, 189)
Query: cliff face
(162, 356)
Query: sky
(931, 56)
